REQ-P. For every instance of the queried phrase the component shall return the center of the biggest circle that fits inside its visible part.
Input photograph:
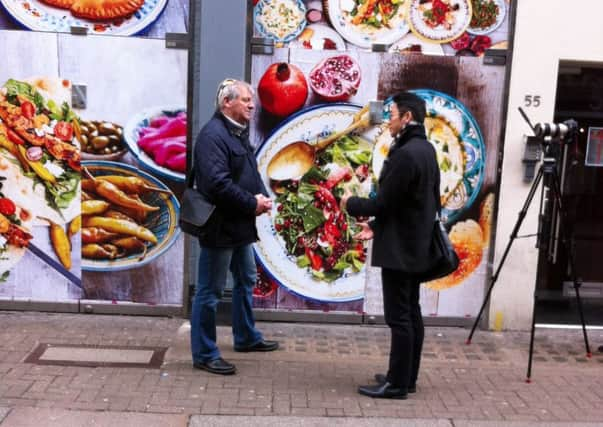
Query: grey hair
(230, 89)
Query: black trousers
(403, 316)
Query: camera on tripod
(563, 131)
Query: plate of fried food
(107, 17)
(129, 218)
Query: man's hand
(344, 199)
(365, 234)
(264, 204)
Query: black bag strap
(190, 179)
(436, 194)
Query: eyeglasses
(223, 85)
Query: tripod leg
(570, 257)
(532, 332)
(521, 217)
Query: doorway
(579, 97)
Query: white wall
(545, 32)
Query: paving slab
(465, 423)
(228, 421)
(35, 417)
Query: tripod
(547, 173)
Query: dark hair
(406, 101)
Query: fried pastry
(468, 242)
(105, 9)
(485, 217)
(62, 4)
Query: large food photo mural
(150, 18)
(95, 187)
(40, 164)
(315, 139)
(433, 27)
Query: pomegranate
(282, 89)
(336, 78)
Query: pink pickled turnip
(150, 146)
(175, 127)
(159, 121)
(177, 162)
(167, 150)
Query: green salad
(309, 220)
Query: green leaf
(303, 261)
(4, 276)
(313, 174)
(313, 218)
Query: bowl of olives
(101, 140)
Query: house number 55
(532, 101)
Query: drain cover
(96, 356)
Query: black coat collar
(410, 132)
(234, 130)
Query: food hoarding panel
(150, 18)
(430, 27)
(306, 257)
(132, 247)
(39, 174)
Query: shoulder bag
(444, 259)
(196, 210)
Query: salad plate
(305, 245)
(365, 23)
(37, 16)
(492, 16)
(439, 21)
(459, 145)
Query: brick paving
(314, 374)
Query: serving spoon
(295, 159)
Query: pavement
(310, 381)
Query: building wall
(545, 33)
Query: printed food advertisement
(150, 18)
(316, 138)
(90, 195)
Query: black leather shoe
(383, 391)
(381, 379)
(263, 345)
(216, 366)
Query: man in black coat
(226, 174)
(404, 211)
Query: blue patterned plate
(163, 223)
(131, 135)
(37, 16)
(280, 20)
(458, 140)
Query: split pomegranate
(282, 89)
(336, 78)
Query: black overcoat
(226, 173)
(404, 208)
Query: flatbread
(12, 255)
(468, 242)
(20, 189)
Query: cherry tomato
(64, 131)
(28, 109)
(7, 207)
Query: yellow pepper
(60, 243)
(94, 207)
(38, 167)
(121, 226)
(74, 226)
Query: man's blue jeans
(213, 266)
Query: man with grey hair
(226, 174)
